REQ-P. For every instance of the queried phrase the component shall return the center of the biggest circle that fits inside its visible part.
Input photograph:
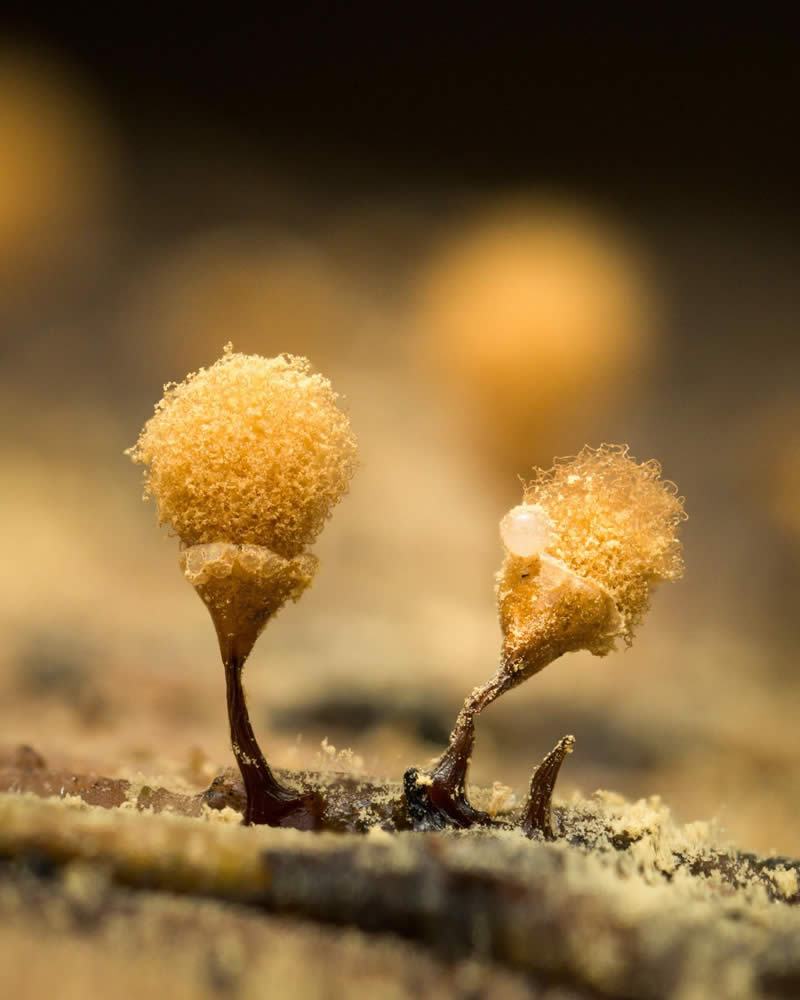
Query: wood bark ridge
(622, 903)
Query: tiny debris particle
(786, 882)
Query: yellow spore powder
(252, 451)
(614, 522)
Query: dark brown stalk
(537, 817)
(439, 799)
(268, 801)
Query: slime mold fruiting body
(243, 586)
(246, 459)
(592, 535)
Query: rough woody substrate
(625, 903)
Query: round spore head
(614, 522)
(252, 451)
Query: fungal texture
(593, 534)
(245, 460)
(251, 451)
(611, 523)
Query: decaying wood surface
(623, 902)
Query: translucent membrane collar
(243, 586)
(218, 560)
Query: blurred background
(500, 241)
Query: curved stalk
(268, 801)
